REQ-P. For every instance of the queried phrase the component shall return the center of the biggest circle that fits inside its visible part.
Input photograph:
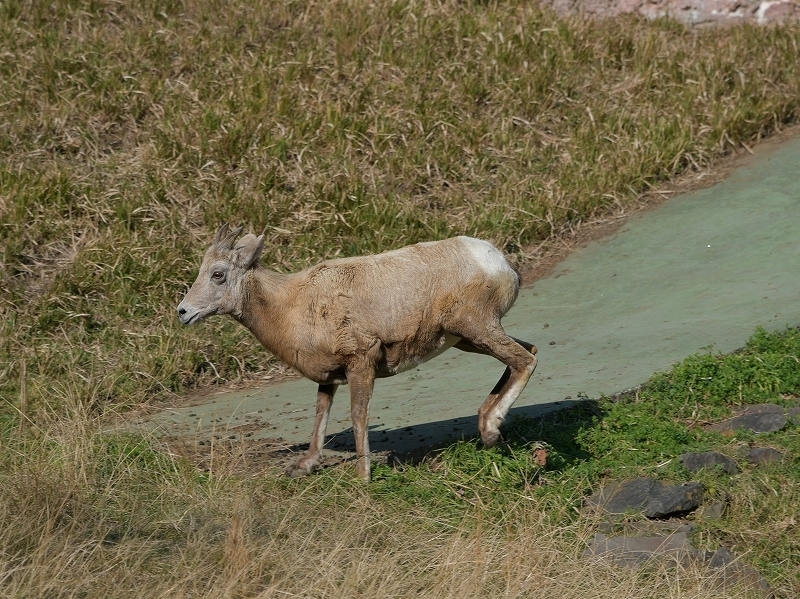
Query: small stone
(607, 528)
(695, 462)
(764, 455)
(721, 558)
(711, 511)
(793, 414)
(652, 498)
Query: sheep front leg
(313, 457)
(361, 380)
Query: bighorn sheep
(352, 320)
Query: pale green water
(701, 270)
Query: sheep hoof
(490, 438)
(301, 468)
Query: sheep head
(218, 288)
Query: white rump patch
(490, 259)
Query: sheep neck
(266, 307)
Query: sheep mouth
(192, 318)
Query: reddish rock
(691, 12)
(776, 12)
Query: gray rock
(762, 418)
(712, 510)
(762, 408)
(733, 572)
(764, 455)
(695, 462)
(631, 552)
(793, 414)
(720, 558)
(644, 528)
(676, 549)
(652, 498)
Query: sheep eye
(217, 275)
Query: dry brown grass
(73, 531)
(130, 130)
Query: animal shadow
(555, 425)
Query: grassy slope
(129, 131)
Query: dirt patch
(261, 456)
(235, 455)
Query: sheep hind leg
(466, 346)
(520, 359)
(313, 457)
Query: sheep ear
(225, 238)
(248, 250)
